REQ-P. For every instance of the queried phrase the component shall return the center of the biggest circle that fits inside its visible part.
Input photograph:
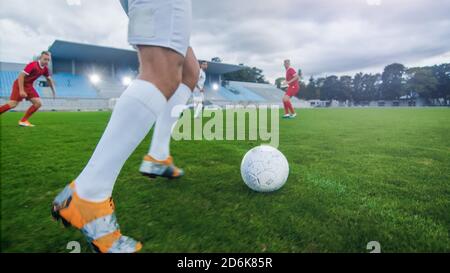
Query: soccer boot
(165, 168)
(97, 222)
(25, 123)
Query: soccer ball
(264, 169)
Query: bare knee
(13, 104)
(162, 67)
(191, 70)
(37, 104)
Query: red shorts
(292, 91)
(15, 94)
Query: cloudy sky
(319, 36)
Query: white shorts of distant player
(198, 96)
(164, 23)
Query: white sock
(132, 118)
(160, 146)
(198, 110)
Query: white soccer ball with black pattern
(264, 169)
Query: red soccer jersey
(290, 73)
(33, 71)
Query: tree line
(396, 81)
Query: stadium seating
(246, 92)
(7, 79)
(78, 87)
(67, 85)
(110, 88)
(269, 92)
(73, 86)
(233, 93)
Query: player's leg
(14, 99)
(35, 105)
(289, 104)
(194, 101)
(286, 106)
(8, 106)
(86, 203)
(199, 106)
(133, 116)
(158, 161)
(291, 109)
(291, 94)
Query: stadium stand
(72, 86)
(67, 104)
(246, 93)
(268, 92)
(68, 86)
(109, 88)
(74, 65)
(235, 92)
(7, 79)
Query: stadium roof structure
(89, 53)
(222, 68)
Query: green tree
(422, 82)
(278, 82)
(311, 91)
(442, 75)
(393, 81)
(300, 94)
(372, 86)
(330, 89)
(247, 74)
(358, 92)
(346, 88)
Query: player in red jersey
(292, 81)
(23, 87)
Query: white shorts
(197, 96)
(164, 23)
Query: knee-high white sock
(134, 114)
(160, 146)
(198, 109)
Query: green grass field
(357, 175)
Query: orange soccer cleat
(152, 168)
(25, 123)
(97, 221)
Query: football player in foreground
(160, 30)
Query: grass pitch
(356, 175)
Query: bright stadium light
(215, 86)
(126, 81)
(94, 78)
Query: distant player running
(199, 92)
(168, 72)
(292, 81)
(23, 88)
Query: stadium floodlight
(126, 81)
(215, 86)
(94, 78)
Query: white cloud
(320, 36)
